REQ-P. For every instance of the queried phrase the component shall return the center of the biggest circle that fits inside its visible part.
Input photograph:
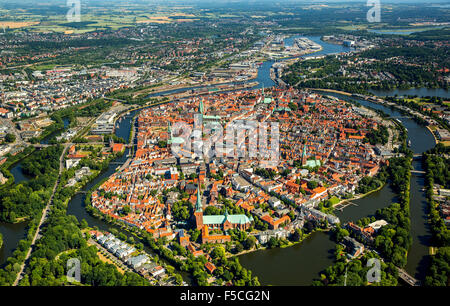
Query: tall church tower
(198, 212)
(304, 155)
(201, 108)
(169, 133)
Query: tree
(10, 138)
(218, 252)
(83, 224)
(341, 233)
(297, 235)
(239, 248)
(178, 279)
(249, 243)
(273, 243)
(312, 184)
(125, 210)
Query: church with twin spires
(223, 222)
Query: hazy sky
(224, 1)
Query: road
(37, 235)
(12, 128)
(110, 256)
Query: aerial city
(191, 143)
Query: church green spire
(169, 133)
(198, 204)
(304, 155)
(201, 108)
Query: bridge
(111, 99)
(402, 274)
(40, 145)
(417, 172)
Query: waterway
(76, 205)
(420, 92)
(327, 48)
(296, 265)
(302, 263)
(404, 31)
(263, 77)
(421, 141)
(46, 140)
(12, 234)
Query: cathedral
(223, 222)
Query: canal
(420, 92)
(293, 266)
(49, 137)
(299, 265)
(302, 263)
(12, 234)
(77, 205)
(421, 141)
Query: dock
(341, 207)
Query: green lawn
(334, 200)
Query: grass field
(91, 20)
(107, 260)
(334, 200)
(43, 67)
(17, 24)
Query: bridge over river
(407, 278)
(417, 172)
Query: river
(300, 266)
(66, 122)
(13, 233)
(77, 206)
(404, 31)
(421, 141)
(302, 263)
(420, 92)
(16, 169)
(263, 77)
